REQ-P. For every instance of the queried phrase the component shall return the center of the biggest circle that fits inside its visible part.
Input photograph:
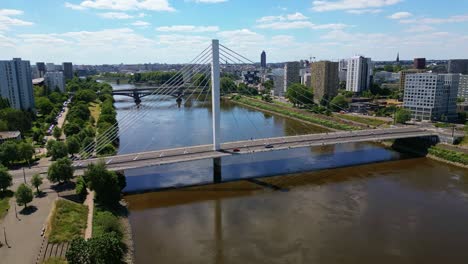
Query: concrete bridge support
(217, 176)
(136, 97)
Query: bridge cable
(169, 91)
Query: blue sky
(174, 31)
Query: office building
(16, 83)
(406, 72)
(458, 66)
(358, 76)
(41, 69)
(324, 79)
(419, 63)
(431, 96)
(463, 87)
(55, 80)
(67, 70)
(291, 74)
(342, 70)
(263, 60)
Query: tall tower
(263, 60)
(398, 57)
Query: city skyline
(168, 31)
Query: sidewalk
(23, 230)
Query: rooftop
(9, 134)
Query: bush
(105, 222)
(449, 155)
(100, 250)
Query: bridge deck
(176, 155)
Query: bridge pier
(136, 97)
(217, 176)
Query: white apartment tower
(431, 96)
(16, 83)
(358, 75)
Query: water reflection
(378, 213)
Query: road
(176, 155)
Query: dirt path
(90, 203)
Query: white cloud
(123, 5)
(292, 21)
(115, 15)
(188, 28)
(74, 7)
(140, 23)
(6, 42)
(435, 21)
(419, 28)
(364, 11)
(400, 15)
(325, 5)
(288, 17)
(7, 20)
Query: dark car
(269, 146)
(236, 150)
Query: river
(351, 203)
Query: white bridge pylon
(215, 94)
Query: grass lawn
(55, 261)
(363, 120)
(68, 221)
(4, 202)
(95, 109)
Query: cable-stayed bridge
(205, 72)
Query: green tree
(25, 152)
(73, 145)
(71, 129)
(58, 150)
(36, 181)
(60, 171)
(24, 195)
(80, 187)
(6, 180)
(402, 115)
(16, 119)
(227, 85)
(104, 182)
(339, 103)
(8, 152)
(44, 105)
(299, 94)
(86, 96)
(57, 132)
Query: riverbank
(298, 114)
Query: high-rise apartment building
(55, 80)
(419, 63)
(51, 67)
(16, 83)
(291, 73)
(67, 70)
(431, 96)
(463, 87)
(342, 70)
(41, 69)
(324, 79)
(359, 72)
(263, 63)
(458, 66)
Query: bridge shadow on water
(258, 166)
